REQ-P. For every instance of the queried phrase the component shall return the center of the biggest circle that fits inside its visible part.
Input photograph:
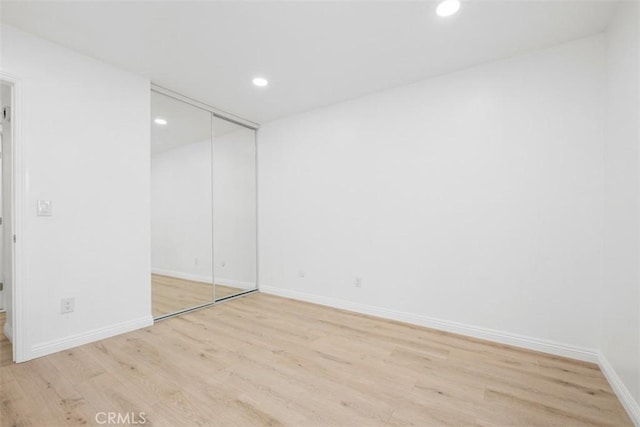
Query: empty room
(320, 213)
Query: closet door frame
(221, 114)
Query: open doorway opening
(6, 223)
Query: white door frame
(18, 203)
(3, 303)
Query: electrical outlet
(67, 305)
(45, 208)
(223, 264)
(301, 274)
(358, 282)
(195, 261)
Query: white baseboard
(205, 279)
(545, 346)
(55, 346)
(235, 283)
(8, 331)
(632, 407)
(181, 275)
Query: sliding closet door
(181, 206)
(234, 208)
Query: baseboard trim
(630, 405)
(8, 332)
(205, 279)
(235, 283)
(55, 346)
(181, 275)
(529, 343)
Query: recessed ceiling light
(160, 121)
(448, 7)
(260, 82)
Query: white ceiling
(313, 53)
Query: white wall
(234, 237)
(181, 217)
(85, 146)
(181, 238)
(621, 286)
(474, 198)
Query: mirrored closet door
(203, 205)
(181, 206)
(234, 208)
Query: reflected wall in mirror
(181, 206)
(234, 208)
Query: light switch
(45, 207)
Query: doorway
(7, 132)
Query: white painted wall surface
(181, 210)
(234, 190)
(86, 146)
(621, 286)
(473, 198)
(181, 238)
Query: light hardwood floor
(264, 360)
(170, 294)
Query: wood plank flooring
(170, 294)
(264, 360)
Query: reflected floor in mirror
(171, 294)
(6, 350)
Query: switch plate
(45, 208)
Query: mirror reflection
(181, 206)
(234, 208)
